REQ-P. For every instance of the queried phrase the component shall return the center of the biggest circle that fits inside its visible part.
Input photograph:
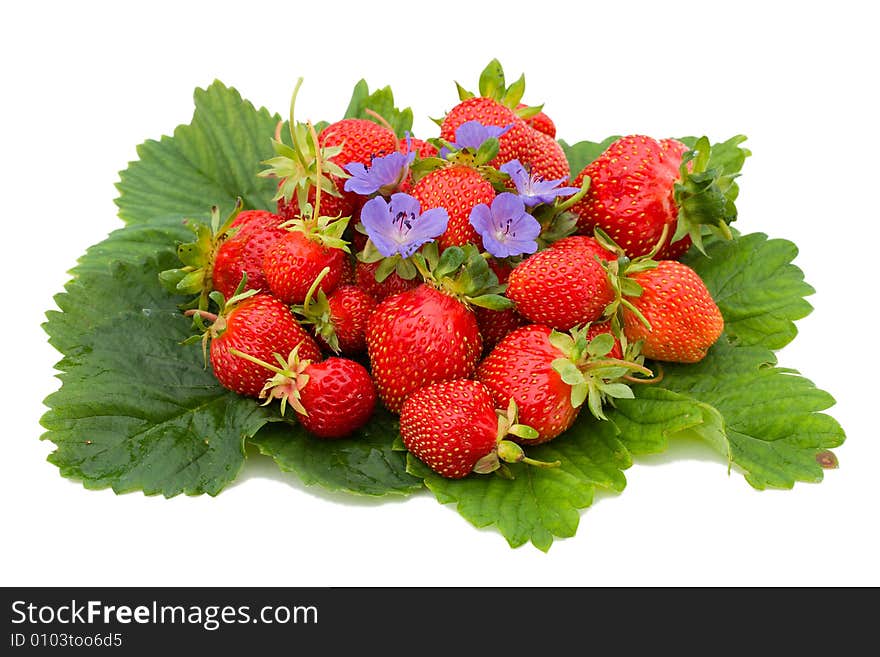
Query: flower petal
(518, 175)
(507, 206)
(376, 216)
(481, 219)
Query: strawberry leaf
(539, 504)
(136, 410)
(381, 102)
(771, 416)
(365, 463)
(213, 160)
(756, 286)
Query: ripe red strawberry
(260, 325)
(452, 427)
(537, 151)
(365, 278)
(331, 398)
(549, 375)
(457, 189)
(684, 319)
(340, 319)
(520, 368)
(562, 286)
(632, 194)
(496, 324)
(243, 253)
(361, 140)
(420, 147)
(293, 262)
(419, 337)
(540, 122)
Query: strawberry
(549, 375)
(365, 278)
(340, 319)
(457, 189)
(637, 190)
(360, 140)
(496, 324)
(243, 253)
(260, 325)
(684, 319)
(563, 286)
(538, 152)
(452, 427)
(292, 262)
(420, 147)
(331, 398)
(429, 334)
(540, 122)
(521, 368)
(419, 337)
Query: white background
(84, 83)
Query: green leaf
(135, 408)
(539, 504)
(759, 292)
(772, 417)
(381, 102)
(213, 160)
(364, 464)
(582, 153)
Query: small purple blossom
(384, 172)
(399, 227)
(533, 189)
(507, 229)
(473, 134)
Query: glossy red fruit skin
(520, 367)
(495, 325)
(419, 146)
(292, 264)
(339, 398)
(350, 310)
(458, 189)
(631, 192)
(361, 140)
(541, 122)
(685, 321)
(419, 337)
(365, 278)
(260, 326)
(449, 426)
(243, 253)
(563, 286)
(536, 150)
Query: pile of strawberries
(470, 283)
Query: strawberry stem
(541, 464)
(610, 362)
(381, 119)
(204, 314)
(256, 361)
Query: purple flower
(533, 189)
(507, 229)
(399, 227)
(473, 134)
(384, 172)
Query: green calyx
(288, 379)
(328, 231)
(556, 219)
(315, 310)
(595, 376)
(462, 272)
(395, 264)
(303, 164)
(705, 196)
(507, 450)
(492, 84)
(197, 257)
(217, 321)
